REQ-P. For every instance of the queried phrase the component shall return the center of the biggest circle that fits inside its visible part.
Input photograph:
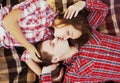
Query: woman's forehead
(57, 22)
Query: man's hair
(46, 60)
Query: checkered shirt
(99, 59)
(36, 17)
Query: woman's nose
(61, 36)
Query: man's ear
(55, 59)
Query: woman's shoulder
(13, 15)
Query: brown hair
(80, 23)
(46, 60)
(60, 5)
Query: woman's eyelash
(68, 32)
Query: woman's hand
(74, 9)
(33, 53)
(50, 68)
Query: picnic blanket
(12, 69)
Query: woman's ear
(55, 59)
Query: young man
(96, 60)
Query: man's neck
(70, 53)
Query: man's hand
(59, 78)
(74, 9)
(50, 68)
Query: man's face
(57, 48)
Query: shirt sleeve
(46, 78)
(98, 12)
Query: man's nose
(54, 41)
(58, 34)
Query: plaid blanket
(111, 24)
(12, 70)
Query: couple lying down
(92, 57)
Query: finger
(71, 15)
(36, 58)
(36, 52)
(76, 13)
(66, 12)
(55, 65)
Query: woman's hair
(80, 23)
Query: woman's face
(57, 48)
(64, 31)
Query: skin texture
(59, 49)
(64, 32)
(74, 9)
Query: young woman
(31, 19)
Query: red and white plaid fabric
(36, 17)
(99, 59)
(45, 78)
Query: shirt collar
(96, 38)
(68, 61)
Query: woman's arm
(98, 11)
(74, 9)
(10, 22)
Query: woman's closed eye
(69, 33)
(52, 44)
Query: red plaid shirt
(36, 17)
(99, 59)
(46, 78)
